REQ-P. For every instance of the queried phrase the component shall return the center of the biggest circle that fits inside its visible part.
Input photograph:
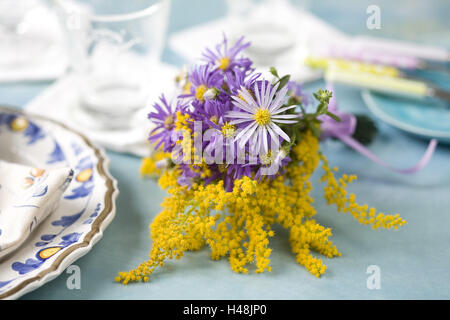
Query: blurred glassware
(13, 27)
(267, 25)
(114, 47)
(13, 12)
(29, 36)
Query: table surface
(414, 261)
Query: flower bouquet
(236, 153)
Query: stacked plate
(86, 208)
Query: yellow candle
(347, 65)
(378, 83)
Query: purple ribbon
(344, 130)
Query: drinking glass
(268, 25)
(114, 47)
(24, 38)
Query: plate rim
(97, 227)
(370, 103)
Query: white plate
(87, 207)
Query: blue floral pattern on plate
(83, 205)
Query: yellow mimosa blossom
(148, 166)
(238, 224)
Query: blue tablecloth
(414, 261)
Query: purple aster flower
(260, 117)
(226, 59)
(201, 79)
(295, 91)
(238, 79)
(187, 176)
(164, 118)
(213, 112)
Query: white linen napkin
(27, 196)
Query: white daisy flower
(262, 115)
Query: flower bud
(210, 94)
(162, 164)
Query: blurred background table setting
(83, 75)
(114, 50)
(31, 42)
